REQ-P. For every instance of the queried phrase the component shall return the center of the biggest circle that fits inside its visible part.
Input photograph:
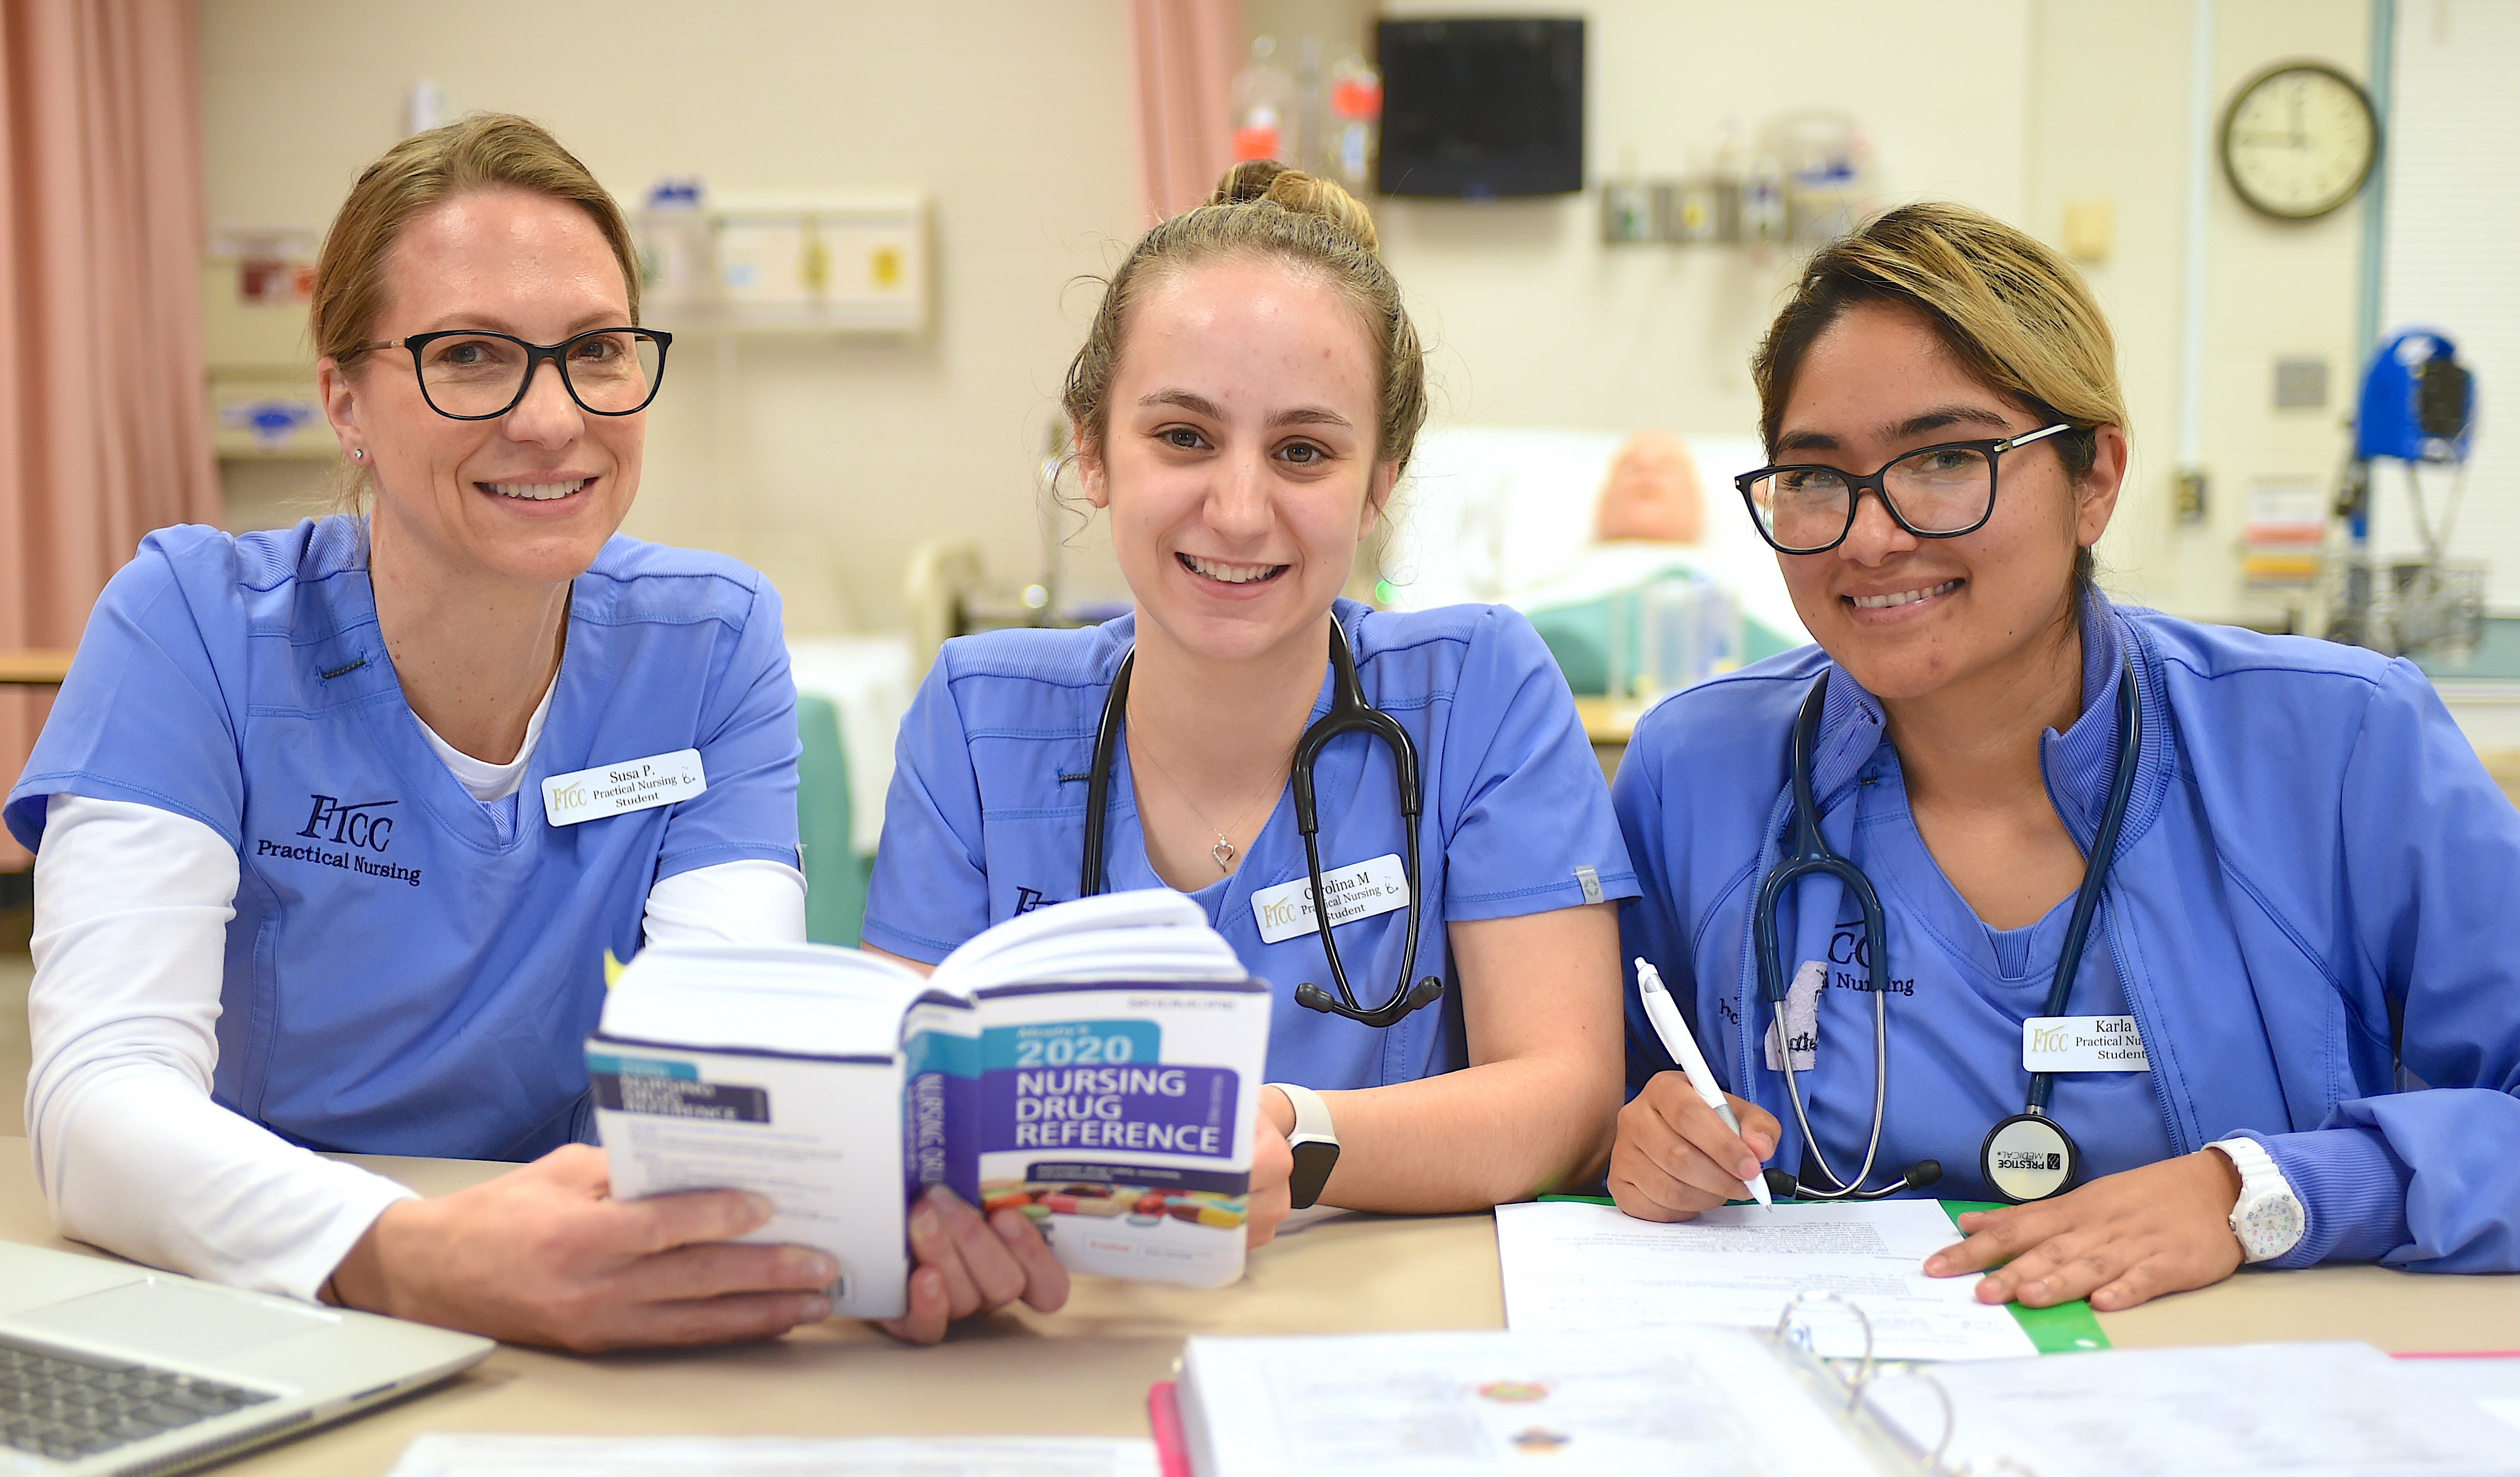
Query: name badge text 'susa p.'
(638, 784)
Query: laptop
(106, 1368)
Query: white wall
(2452, 211)
(1537, 322)
(824, 461)
(820, 460)
(2013, 105)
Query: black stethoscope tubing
(1813, 855)
(1349, 713)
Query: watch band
(1315, 1143)
(2260, 1180)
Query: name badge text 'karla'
(636, 784)
(1285, 911)
(2081, 1044)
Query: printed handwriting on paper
(1573, 1267)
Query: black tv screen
(1480, 108)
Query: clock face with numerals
(2299, 140)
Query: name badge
(638, 784)
(1802, 1018)
(1362, 890)
(2081, 1044)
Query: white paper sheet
(1703, 1401)
(1577, 1267)
(450, 1456)
(2493, 1381)
(2245, 1410)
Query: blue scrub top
(986, 817)
(2310, 894)
(411, 971)
(1959, 991)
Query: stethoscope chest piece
(2029, 1157)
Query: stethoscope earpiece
(1924, 1171)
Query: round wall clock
(2299, 140)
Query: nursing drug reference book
(1096, 1064)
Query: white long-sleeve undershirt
(131, 911)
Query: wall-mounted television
(1482, 106)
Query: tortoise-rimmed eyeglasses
(1940, 491)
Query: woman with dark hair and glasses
(2182, 938)
(332, 837)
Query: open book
(1096, 1064)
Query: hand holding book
(1087, 1076)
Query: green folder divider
(2065, 1328)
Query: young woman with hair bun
(1244, 404)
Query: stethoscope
(1349, 713)
(2028, 1156)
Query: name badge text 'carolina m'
(1285, 911)
(636, 784)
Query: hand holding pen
(1663, 1169)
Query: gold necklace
(1223, 852)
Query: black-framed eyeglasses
(471, 374)
(1933, 492)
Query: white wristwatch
(1314, 1142)
(2268, 1218)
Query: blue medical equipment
(2417, 409)
(2418, 401)
(2027, 1156)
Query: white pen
(1683, 1047)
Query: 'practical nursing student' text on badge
(1362, 890)
(638, 784)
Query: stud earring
(358, 454)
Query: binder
(2296, 1410)
(1817, 1418)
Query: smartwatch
(2268, 1218)
(1314, 1142)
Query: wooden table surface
(34, 666)
(1085, 1370)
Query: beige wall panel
(821, 459)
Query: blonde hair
(2014, 314)
(484, 151)
(1262, 208)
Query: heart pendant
(1222, 852)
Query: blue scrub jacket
(986, 817)
(410, 971)
(2312, 887)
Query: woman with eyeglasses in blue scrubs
(1244, 402)
(297, 884)
(2157, 911)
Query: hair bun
(1247, 181)
(1257, 179)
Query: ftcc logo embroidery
(361, 830)
(356, 825)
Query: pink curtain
(104, 409)
(1186, 53)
